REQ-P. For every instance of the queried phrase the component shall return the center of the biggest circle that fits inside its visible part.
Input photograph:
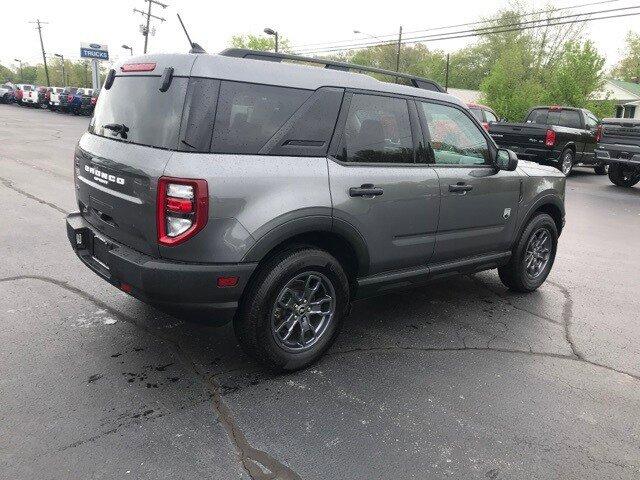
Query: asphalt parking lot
(459, 379)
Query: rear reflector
(227, 282)
(126, 288)
(138, 67)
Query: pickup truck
(619, 148)
(557, 136)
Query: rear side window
(490, 116)
(570, 118)
(377, 130)
(539, 115)
(248, 115)
(133, 110)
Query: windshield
(134, 110)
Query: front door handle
(461, 188)
(365, 190)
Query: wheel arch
(550, 204)
(337, 237)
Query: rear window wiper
(117, 128)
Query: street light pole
(19, 63)
(61, 57)
(270, 31)
(127, 47)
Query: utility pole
(446, 75)
(148, 16)
(39, 24)
(398, 53)
(61, 57)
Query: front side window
(248, 115)
(454, 137)
(377, 130)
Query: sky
(212, 23)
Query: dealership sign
(94, 51)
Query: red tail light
(93, 101)
(182, 209)
(550, 139)
(69, 98)
(598, 133)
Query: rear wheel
(566, 161)
(624, 176)
(533, 256)
(293, 309)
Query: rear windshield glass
(134, 110)
(27, 88)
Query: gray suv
(273, 193)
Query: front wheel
(533, 256)
(293, 309)
(601, 169)
(623, 176)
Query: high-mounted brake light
(138, 67)
(550, 138)
(555, 108)
(182, 209)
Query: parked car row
(76, 100)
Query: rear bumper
(156, 281)
(628, 155)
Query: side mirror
(506, 160)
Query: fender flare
(543, 199)
(310, 224)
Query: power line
(394, 35)
(39, 24)
(148, 16)
(489, 30)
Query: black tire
(601, 169)
(567, 157)
(623, 177)
(514, 275)
(253, 322)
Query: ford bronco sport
(275, 193)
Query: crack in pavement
(38, 167)
(258, 464)
(9, 184)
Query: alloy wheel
(567, 163)
(538, 252)
(303, 311)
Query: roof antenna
(195, 48)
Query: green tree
(578, 73)
(629, 67)
(262, 43)
(6, 75)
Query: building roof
(628, 86)
(467, 96)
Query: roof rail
(415, 81)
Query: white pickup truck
(54, 97)
(30, 95)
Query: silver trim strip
(124, 196)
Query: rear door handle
(365, 190)
(461, 188)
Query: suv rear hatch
(131, 136)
